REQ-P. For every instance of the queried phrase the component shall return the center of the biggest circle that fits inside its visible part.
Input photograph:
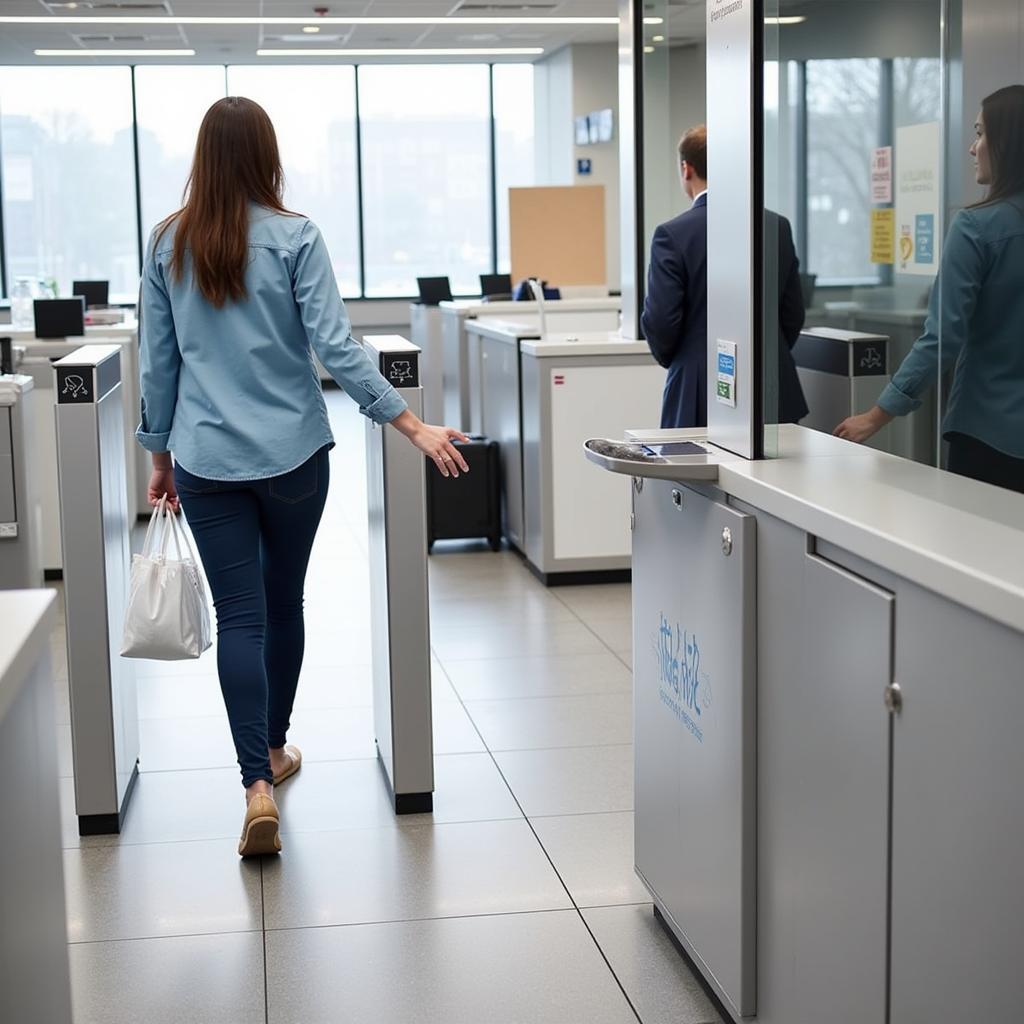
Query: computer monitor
(434, 290)
(60, 318)
(496, 284)
(95, 293)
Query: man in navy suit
(675, 318)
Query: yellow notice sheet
(883, 236)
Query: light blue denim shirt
(975, 322)
(234, 392)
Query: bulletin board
(557, 234)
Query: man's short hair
(693, 148)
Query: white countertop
(583, 343)
(954, 536)
(474, 308)
(508, 331)
(28, 617)
(101, 331)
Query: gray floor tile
(654, 975)
(572, 780)
(135, 892)
(598, 600)
(453, 730)
(516, 969)
(341, 795)
(169, 807)
(553, 676)
(213, 979)
(508, 640)
(593, 853)
(542, 722)
(392, 874)
(615, 632)
(334, 687)
(185, 744)
(453, 614)
(180, 696)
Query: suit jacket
(675, 318)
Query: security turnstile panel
(91, 462)
(694, 691)
(400, 624)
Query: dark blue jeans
(254, 538)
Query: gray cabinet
(694, 563)
(958, 817)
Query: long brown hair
(1003, 116)
(236, 162)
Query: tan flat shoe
(261, 828)
(294, 756)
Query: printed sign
(725, 390)
(883, 236)
(683, 686)
(881, 175)
(918, 198)
(584, 166)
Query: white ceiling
(234, 43)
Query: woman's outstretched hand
(863, 427)
(434, 442)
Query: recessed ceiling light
(648, 49)
(311, 29)
(791, 20)
(657, 39)
(411, 51)
(115, 53)
(18, 19)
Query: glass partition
(68, 176)
(426, 176)
(169, 106)
(314, 115)
(514, 145)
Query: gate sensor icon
(401, 369)
(74, 386)
(871, 360)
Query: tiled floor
(515, 901)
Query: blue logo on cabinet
(684, 688)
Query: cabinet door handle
(893, 698)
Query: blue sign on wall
(584, 166)
(924, 244)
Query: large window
(413, 145)
(513, 143)
(314, 114)
(170, 103)
(843, 128)
(426, 176)
(68, 175)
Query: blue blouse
(234, 392)
(975, 323)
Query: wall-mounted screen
(583, 131)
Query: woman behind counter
(976, 316)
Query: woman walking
(237, 294)
(976, 316)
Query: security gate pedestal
(396, 496)
(91, 462)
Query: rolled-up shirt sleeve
(329, 331)
(159, 359)
(951, 307)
